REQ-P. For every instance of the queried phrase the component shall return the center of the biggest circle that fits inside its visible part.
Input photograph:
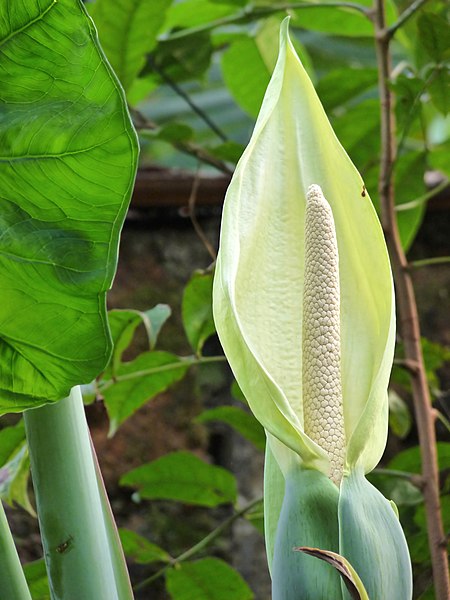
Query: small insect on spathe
(363, 192)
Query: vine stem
(409, 321)
(201, 545)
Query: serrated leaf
(138, 381)
(69, 156)
(197, 310)
(140, 549)
(242, 421)
(206, 579)
(128, 30)
(36, 576)
(184, 477)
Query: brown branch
(142, 123)
(409, 322)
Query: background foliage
(194, 73)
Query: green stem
(13, 585)
(405, 16)
(187, 361)
(201, 545)
(79, 556)
(429, 262)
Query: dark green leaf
(181, 59)
(409, 185)
(138, 381)
(36, 576)
(228, 151)
(173, 133)
(256, 517)
(68, 165)
(341, 85)
(397, 488)
(236, 392)
(245, 74)
(408, 92)
(439, 158)
(410, 460)
(358, 131)
(434, 35)
(400, 420)
(206, 579)
(439, 88)
(140, 549)
(242, 421)
(434, 356)
(184, 477)
(197, 310)
(127, 31)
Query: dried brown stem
(409, 322)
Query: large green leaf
(68, 161)
(184, 477)
(128, 30)
(206, 579)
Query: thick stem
(77, 546)
(409, 322)
(13, 584)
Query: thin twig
(256, 12)
(143, 124)
(405, 16)
(201, 545)
(409, 322)
(185, 96)
(430, 262)
(196, 225)
(425, 198)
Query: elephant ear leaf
(68, 155)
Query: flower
(304, 308)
